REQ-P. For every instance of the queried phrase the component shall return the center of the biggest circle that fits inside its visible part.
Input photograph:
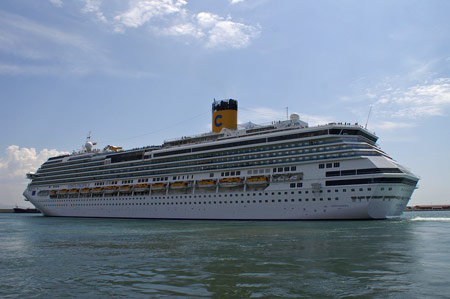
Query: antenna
(370, 110)
(287, 113)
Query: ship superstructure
(282, 171)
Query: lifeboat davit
(257, 180)
(125, 188)
(159, 186)
(97, 190)
(110, 189)
(179, 185)
(230, 182)
(206, 183)
(85, 190)
(141, 187)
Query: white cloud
(187, 29)
(391, 125)
(213, 31)
(17, 161)
(57, 3)
(14, 165)
(141, 12)
(93, 6)
(236, 1)
(226, 33)
(169, 17)
(421, 100)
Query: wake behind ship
(282, 171)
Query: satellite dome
(89, 146)
(295, 116)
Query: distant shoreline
(18, 210)
(427, 208)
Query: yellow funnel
(224, 115)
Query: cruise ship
(285, 170)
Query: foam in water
(442, 219)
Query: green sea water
(43, 257)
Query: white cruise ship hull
(252, 205)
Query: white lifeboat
(97, 190)
(206, 183)
(159, 186)
(179, 185)
(257, 180)
(110, 189)
(141, 187)
(230, 182)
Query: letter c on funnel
(217, 124)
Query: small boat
(230, 182)
(159, 186)
(125, 188)
(110, 189)
(85, 190)
(179, 185)
(74, 191)
(97, 190)
(53, 192)
(141, 187)
(63, 191)
(27, 210)
(206, 183)
(257, 180)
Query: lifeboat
(97, 190)
(257, 180)
(159, 186)
(43, 193)
(74, 191)
(63, 191)
(230, 182)
(179, 185)
(125, 188)
(85, 190)
(206, 183)
(110, 189)
(53, 192)
(141, 187)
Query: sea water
(47, 257)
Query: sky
(138, 72)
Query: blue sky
(136, 73)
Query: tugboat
(27, 210)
